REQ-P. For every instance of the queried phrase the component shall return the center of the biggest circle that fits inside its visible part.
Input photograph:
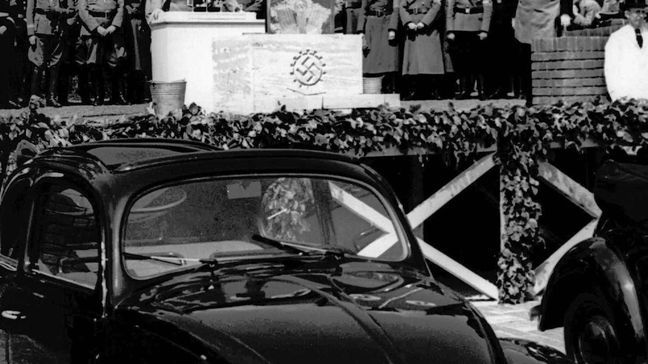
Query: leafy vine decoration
(522, 136)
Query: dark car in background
(599, 289)
(156, 251)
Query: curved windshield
(189, 223)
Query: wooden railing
(551, 176)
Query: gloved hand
(365, 46)
(155, 14)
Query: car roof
(118, 156)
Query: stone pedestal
(259, 72)
(231, 65)
(181, 47)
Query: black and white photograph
(323, 181)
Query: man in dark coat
(467, 26)
(20, 70)
(138, 42)
(499, 74)
(352, 10)
(378, 21)
(69, 37)
(45, 25)
(422, 54)
(102, 47)
(7, 41)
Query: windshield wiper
(294, 247)
(302, 249)
(158, 258)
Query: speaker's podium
(230, 68)
(181, 48)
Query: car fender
(593, 264)
(175, 330)
(520, 351)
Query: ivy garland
(522, 135)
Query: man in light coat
(626, 55)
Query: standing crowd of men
(44, 43)
(423, 49)
(427, 49)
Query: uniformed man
(422, 52)
(378, 22)
(467, 26)
(19, 77)
(499, 74)
(138, 43)
(102, 48)
(7, 40)
(45, 24)
(69, 37)
(352, 9)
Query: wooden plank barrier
(577, 195)
(568, 69)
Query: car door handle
(13, 315)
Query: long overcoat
(377, 18)
(137, 36)
(422, 53)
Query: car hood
(356, 312)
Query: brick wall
(568, 69)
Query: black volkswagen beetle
(599, 289)
(155, 251)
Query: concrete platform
(112, 111)
(513, 321)
(347, 102)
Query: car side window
(14, 212)
(66, 238)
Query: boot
(36, 76)
(52, 90)
(133, 90)
(146, 89)
(136, 87)
(98, 85)
(84, 79)
(63, 88)
(410, 88)
(117, 88)
(481, 93)
(465, 87)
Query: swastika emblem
(307, 68)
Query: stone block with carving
(255, 72)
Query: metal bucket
(167, 96)
(372, 85)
